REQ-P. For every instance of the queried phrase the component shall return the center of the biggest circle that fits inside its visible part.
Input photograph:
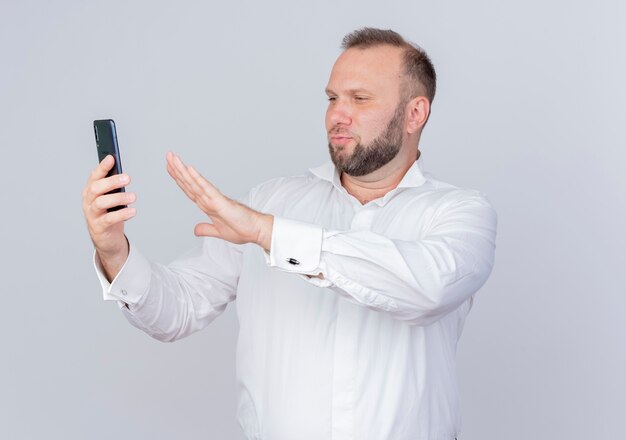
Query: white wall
(530, 110)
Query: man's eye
(332, 98)
(360, 98)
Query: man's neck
(375, 185)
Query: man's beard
(366, 159)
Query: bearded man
(352, 281)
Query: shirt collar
(414, 176)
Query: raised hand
(231, 221)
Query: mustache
(340, 131)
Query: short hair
(417, 65)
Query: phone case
(106, 142)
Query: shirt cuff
(296, 246)
(131, 282)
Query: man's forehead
(381, 57)
(362, 68)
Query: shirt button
(123, 292)
(292, 261)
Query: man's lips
(338, 139)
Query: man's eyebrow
(349, 91)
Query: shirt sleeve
(171, 302)
(415, 281)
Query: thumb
(206, 230)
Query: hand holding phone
(105, 201)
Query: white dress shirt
(364, 352)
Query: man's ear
(418, 110)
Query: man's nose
(339, 114)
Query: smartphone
(106, 142)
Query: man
(352, 281)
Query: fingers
(106, 185)
(104, 222)
(103, 168)
(107, 201)
(182, 175)
(206, 230)
(180, 182)
(199, 180)
(107, 228)
(98, 185)
(97, 215)
(193, 184)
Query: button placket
(344, 373)
(363, 219)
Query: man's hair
(418, 68)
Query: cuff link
(292, 261)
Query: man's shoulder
(283, 188)
(445, 193)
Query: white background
(530, 109)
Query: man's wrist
(264, 237)
(112, 263)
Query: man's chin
(340, 148)
(343, 164)
(338, 153)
